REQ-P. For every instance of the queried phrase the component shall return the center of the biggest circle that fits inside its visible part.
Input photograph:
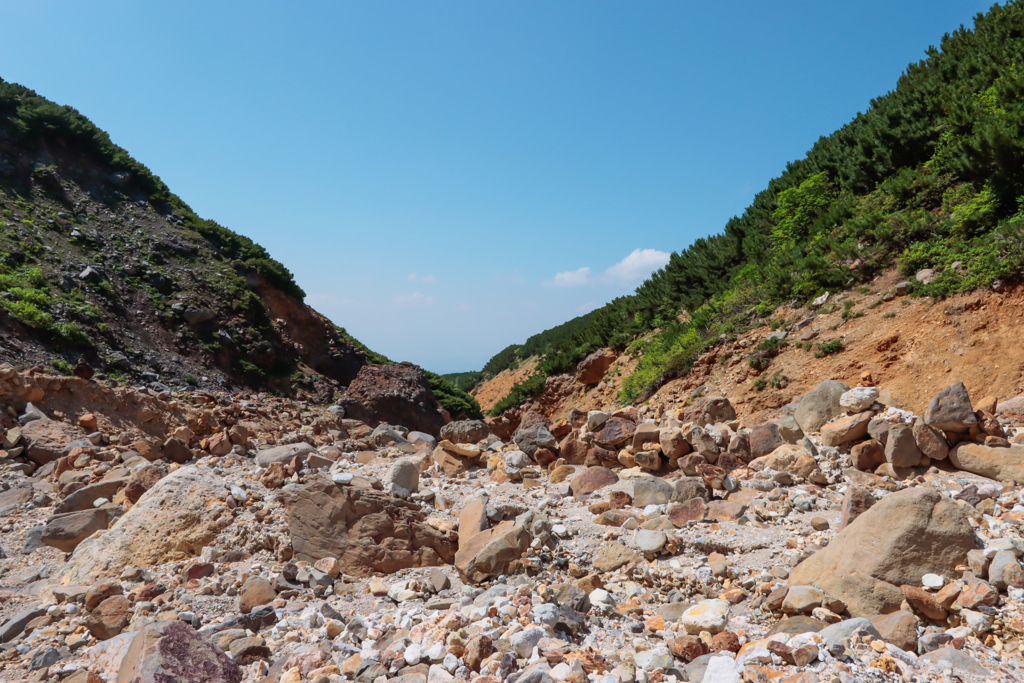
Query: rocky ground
(189, 536)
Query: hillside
(104, 269)
(929, 177)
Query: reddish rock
(688, 648)
(710, 410)
(867, 455)
(725, 641)
(615, 432)
(592, 479)
(255, 593)
(366, 530)
(45, 439)
(395, 394)
(593, 368)
(167, 651)
(274, 476)
(898, 628)
(978, 594)
(856, 501)
(478, 649)
(109, 618)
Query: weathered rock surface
(594, 367)
(167, 651)
(489, 553)
(902, 537)
(1001, 464)
(950, 410)
(365, 530)
(395, 394)
(820, 405)
(182, 513)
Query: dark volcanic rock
(396, 394)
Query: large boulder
(172, 521)
(1001, 464)
(367, 531)
(593, 368)
(284, 454)
(534, 437)
(950, 410)
(491, 552)
(820, 405)
(765, 439)
(614, 433)
(46, 439)
(592, 479)
(166, 651)
(898, 540)
(66, 531)
(710, 410)
(465, 431)
(396, 394)
(787, 458)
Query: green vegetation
(62, 366)
(930, 175)
(33, 122)
(827, 348)
(465, 381)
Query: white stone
(933, 581)
(412, 655)
(451, 663)
(631, 523)
(709, 615)
(596, 418)
(342, 477)
(527, 639)
(722, 670)
(655, 658)
(650, 540)
(546, 613)
(859, 399)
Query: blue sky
(447, 178)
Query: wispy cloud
(638, 265)
(415, 299)
(413, 277)
(572, 278)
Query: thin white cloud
(638, 265)
(414, 299)
(413, 277)
(632, 269)
(573, 278)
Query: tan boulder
(899, 539)
(491, 552)
(846, 429)
(166, 651)
(1001, 464)
(787, 458)
(172, 521)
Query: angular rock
(856, 501)
(867, 455)
(898, 628)
(183, 512)
(901, 448)
(46, 439)
(950, 410)
(845, 429)
(615, 432)
(651, 491)
(166, 651)
(535, 436)
(366, 530)
(765, 439)
(255, 593)
(787, 458)
(711, 410)
(902, 537)
(66, 531)
(593, 368)
(710, 615)
(612, 556)
(858, 399)
(491, 552)
(465, 431)
(396, 394)
(284, 454)
(592, 479)
(930, 440)
(820, 405)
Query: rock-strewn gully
(158, 536)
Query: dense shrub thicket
(930, 174)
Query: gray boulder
(651, 491)
(820, 405)
(283, 454)
(533, 437)
(950, 410)
(465, 431)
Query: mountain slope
(931, 177)
(102, 266)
